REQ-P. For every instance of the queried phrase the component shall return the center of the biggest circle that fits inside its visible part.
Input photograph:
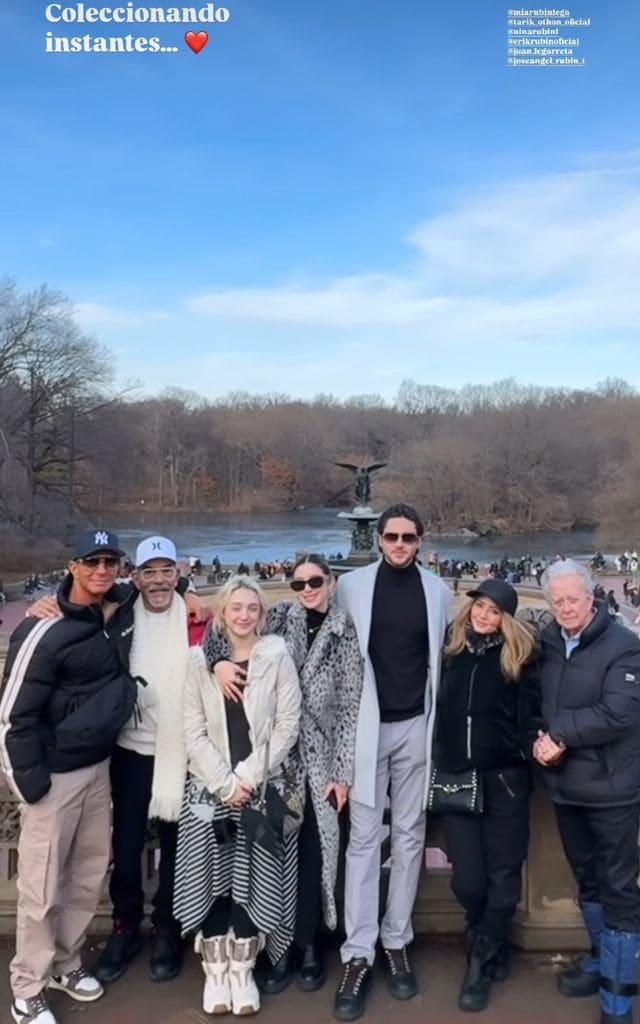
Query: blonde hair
(517, 647)
(226, 592)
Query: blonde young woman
(323, 643)
(487, 719)
(229, 888)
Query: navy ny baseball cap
(95, 542)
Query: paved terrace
(529, 997)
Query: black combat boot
(476, 986)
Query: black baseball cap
(94, 542)
(500, 592)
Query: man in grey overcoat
(400, 612)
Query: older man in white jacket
(400, 612)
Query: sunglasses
(167, 573)
(315, 583)
(406, 538)
(93, 561)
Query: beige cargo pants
(63, 856)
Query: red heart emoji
(196, 40)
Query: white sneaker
(216, 997)
(245, 997)
(32, 1011)
(79, 985)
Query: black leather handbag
(455, 792)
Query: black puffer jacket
(591, 702)
(485, 720)
(65, 696)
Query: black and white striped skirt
(213, 859)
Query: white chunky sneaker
(78, 984)
(32, 1011)
(216, 997)
(245, 998)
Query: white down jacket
(272, 708)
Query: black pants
(487, 851)
(601, 845)
(131, 778)
(226, 914)
(309, 906)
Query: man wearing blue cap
(65, 698)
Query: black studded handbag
(455, 792)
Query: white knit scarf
(167, 665)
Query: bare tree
(54, 370)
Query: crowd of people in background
(514, 569)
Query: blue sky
(332, 196)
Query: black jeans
(487, 851)
(309, 905)
(601, 845)
(131, 778)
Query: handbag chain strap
(263, 788)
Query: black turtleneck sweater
(314, 622)
(399, 642)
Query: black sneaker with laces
(401, 980)
(351, 995)
(122, 945)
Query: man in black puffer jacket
(591, 756)
(65, 699)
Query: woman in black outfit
(487, 719)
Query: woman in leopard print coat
(323, 643)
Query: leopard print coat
(331, 674)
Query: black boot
(165, 960)
(502, 962)
(311, 972)
(583, 978)
(476, 986)
(122, 945)
(276, 977)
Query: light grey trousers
(400, 772)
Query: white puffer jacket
(272, 707)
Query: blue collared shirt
(570, 642)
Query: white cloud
(345, 303)
(537, 279)
(93, 316)
(549, 253)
